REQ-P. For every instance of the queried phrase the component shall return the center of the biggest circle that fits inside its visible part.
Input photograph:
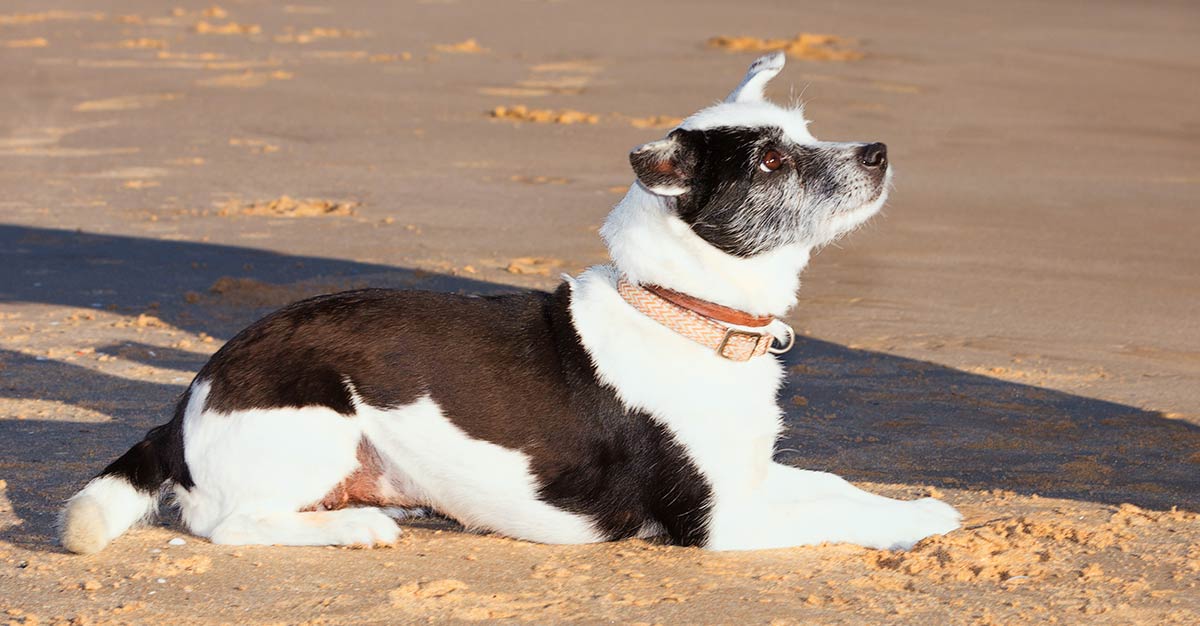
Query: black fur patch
(506, 369)
(736, 206)
(157, 458)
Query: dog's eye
(771, 161)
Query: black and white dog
(616, 406)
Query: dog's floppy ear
(666, 166)
(761, 71)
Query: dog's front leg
(795, 507)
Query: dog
(635, 400)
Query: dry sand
(1016, 334)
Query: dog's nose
(873, 155)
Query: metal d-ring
(791, 341)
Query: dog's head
(749, 181)
(748, 177)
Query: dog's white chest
(723, 412)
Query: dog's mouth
(879, 195)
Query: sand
(1017, 333)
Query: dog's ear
(666, 166)
(761, 71)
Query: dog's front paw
(923, 518)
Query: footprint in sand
(130, 173)
(566, 77)
(43, 142)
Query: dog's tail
(128, 490)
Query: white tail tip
(105, 508)
(83, 528)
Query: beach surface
(1017, 333)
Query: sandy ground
(1018, 333)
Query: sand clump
(1024, 548)
(468, 46)
(18, 19)
(36, 42)
(656, 121)
(287, 206)
(125, 103)
(258, 146)
(539, 180)
(165, 565)
(532, 265)
(452, 599)
(143, 320)
(214, 12)
(247, 78)
(229, 28)
(805, 46)
(314, 34)
(142, 43)
(359, 55)
(522, 113)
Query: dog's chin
(846, 221)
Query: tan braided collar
(699, 321)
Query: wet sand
(1018, 332)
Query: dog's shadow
(861, 414)
(882, 418)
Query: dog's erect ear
(666, 166)
(761, 71)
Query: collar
(732, 334)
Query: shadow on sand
(864, 415)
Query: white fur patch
(797, 507)
(102, 510)
(760, 73)
(723, 412)
(478, 483)
(254, 471)
(261, 461)
(649, 242)
(753, 115)
(345, 527)
(724, 415)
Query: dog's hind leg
(799, 507)
(344, 527)
(272, 476)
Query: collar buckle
(739, 351)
